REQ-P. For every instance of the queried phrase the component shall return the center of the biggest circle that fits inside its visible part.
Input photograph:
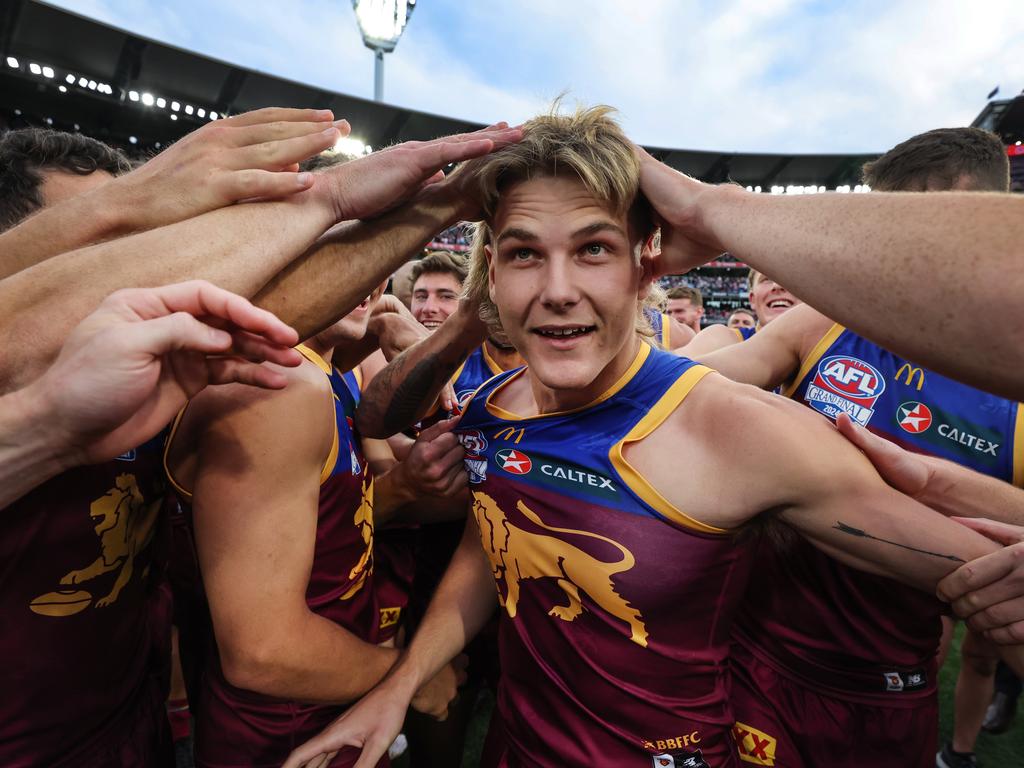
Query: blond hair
(586, 145)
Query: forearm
(341, 270)
(29, 455)
(464, 601)
(955, 490)
(237, 248)
(406, 390)
(93, 217)
(316, 661)
(917, 246)
(884, 532)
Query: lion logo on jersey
(516, 554)
(124, 523)
(363, 520)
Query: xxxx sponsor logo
(754, 746)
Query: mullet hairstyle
(586, 145)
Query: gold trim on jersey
(323, 365)
(812, 359)
(1018, 447)
(738, 332)
(651, 421)
(666, 330)
(624, 379)
(489, 361)
(358, 373)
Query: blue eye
(594, 249)
(522, 254)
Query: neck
(506, 358)
(322, 349)
(553, 400)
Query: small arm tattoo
(849, 529)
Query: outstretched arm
(242, 157)
(881, 264)
(241, 247)
(126, 370)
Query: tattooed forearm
(849, 529)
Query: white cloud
(734, 75)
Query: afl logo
(851, 377)
(914, 417)
(473, 441)
(513, 461)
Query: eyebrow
(515, 233)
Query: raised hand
(371, 185)
(130, 366)
(676, 199)
(252, 155)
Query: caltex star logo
(914, 417)
(513, 461)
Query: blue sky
(731, 75)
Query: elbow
(253, 668)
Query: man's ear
(648, 251)
(489, 255)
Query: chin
(564, 375)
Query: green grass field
(1004, 751)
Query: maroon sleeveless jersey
(86, 618)
(616, 607)
(237, 727)
(834, 628)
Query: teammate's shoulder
(712, 338)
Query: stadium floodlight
(12, 62)
(34, 68)
(214, 115)
(349, 146)
(381, 23)
(83, 82)
(175, 106)
(200, 112)
(148, 100)
(48, 72)
(62, 88)
(188, 109)
(69, 79)
(161, 102)
(174, 117)
(132, 140)
(133, 95)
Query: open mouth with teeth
(431, 324)
(780, 304)
(565, 332)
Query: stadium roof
(57, 67)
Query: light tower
(381, 23)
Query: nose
(560, 290)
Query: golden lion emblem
(124, 523)
(516, 554)
(363, 520)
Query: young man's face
(683, 312)
(741, 320)
(769, 299)
(564, 279)
(435, 296)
